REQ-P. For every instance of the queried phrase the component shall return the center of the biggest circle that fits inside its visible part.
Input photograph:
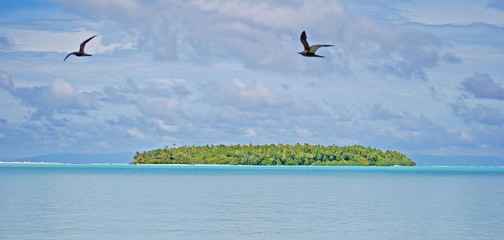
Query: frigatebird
(81, 52)
(309, 51)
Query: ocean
(70, 201)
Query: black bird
(81, 52)
(309, 51)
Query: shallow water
(57, 201)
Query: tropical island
(281, 154)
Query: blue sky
(420, 77)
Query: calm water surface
(245, 202)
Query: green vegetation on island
(272, 154)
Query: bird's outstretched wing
(67, 56)
(315, 47)
(83, 44)
(304, 42)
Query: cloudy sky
(421, 77)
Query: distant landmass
(478, 161)
(272, 154)
(79, 158)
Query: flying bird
(81, 52)
(309, 51)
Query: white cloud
(256, 97)
(250, 132)
(482, 86)
(265, 34)
(6, 81)
(167, 128)
(414, 132)
(63, 93)
(303, 132)
(480, 114)
(245, 96)
(58, 96)
(33, 40)
(6, 42)
(465, 137)
(377, 112)
(466, 12)
(342, 113)
(499, 4)
(104, 144)
(275, 14)
(135, 133)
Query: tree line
(299, 154)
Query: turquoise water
(245, 202)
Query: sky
(420, 77)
